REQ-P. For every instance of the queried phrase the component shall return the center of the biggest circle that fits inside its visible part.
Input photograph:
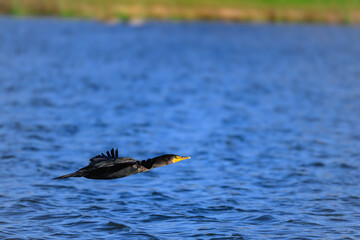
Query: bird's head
(167, 159)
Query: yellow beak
(180, 158)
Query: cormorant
(112, 166)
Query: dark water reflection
(268, 113)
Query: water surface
(269, 113)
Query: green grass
(123, 16)
(335, 11)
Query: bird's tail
(74, 174)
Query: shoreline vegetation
(310, 11)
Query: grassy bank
(331, 11)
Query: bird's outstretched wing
(113, 154)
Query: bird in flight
(112, 166)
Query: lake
(268, 113)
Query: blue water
(268, 113)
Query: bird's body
(112, 166)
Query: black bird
(112, 166)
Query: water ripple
(268, 113)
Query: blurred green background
(330, 11)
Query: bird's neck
(148, 163)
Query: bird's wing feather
(113, 162)
(105, 169)
(109, 155)
(110, 159)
